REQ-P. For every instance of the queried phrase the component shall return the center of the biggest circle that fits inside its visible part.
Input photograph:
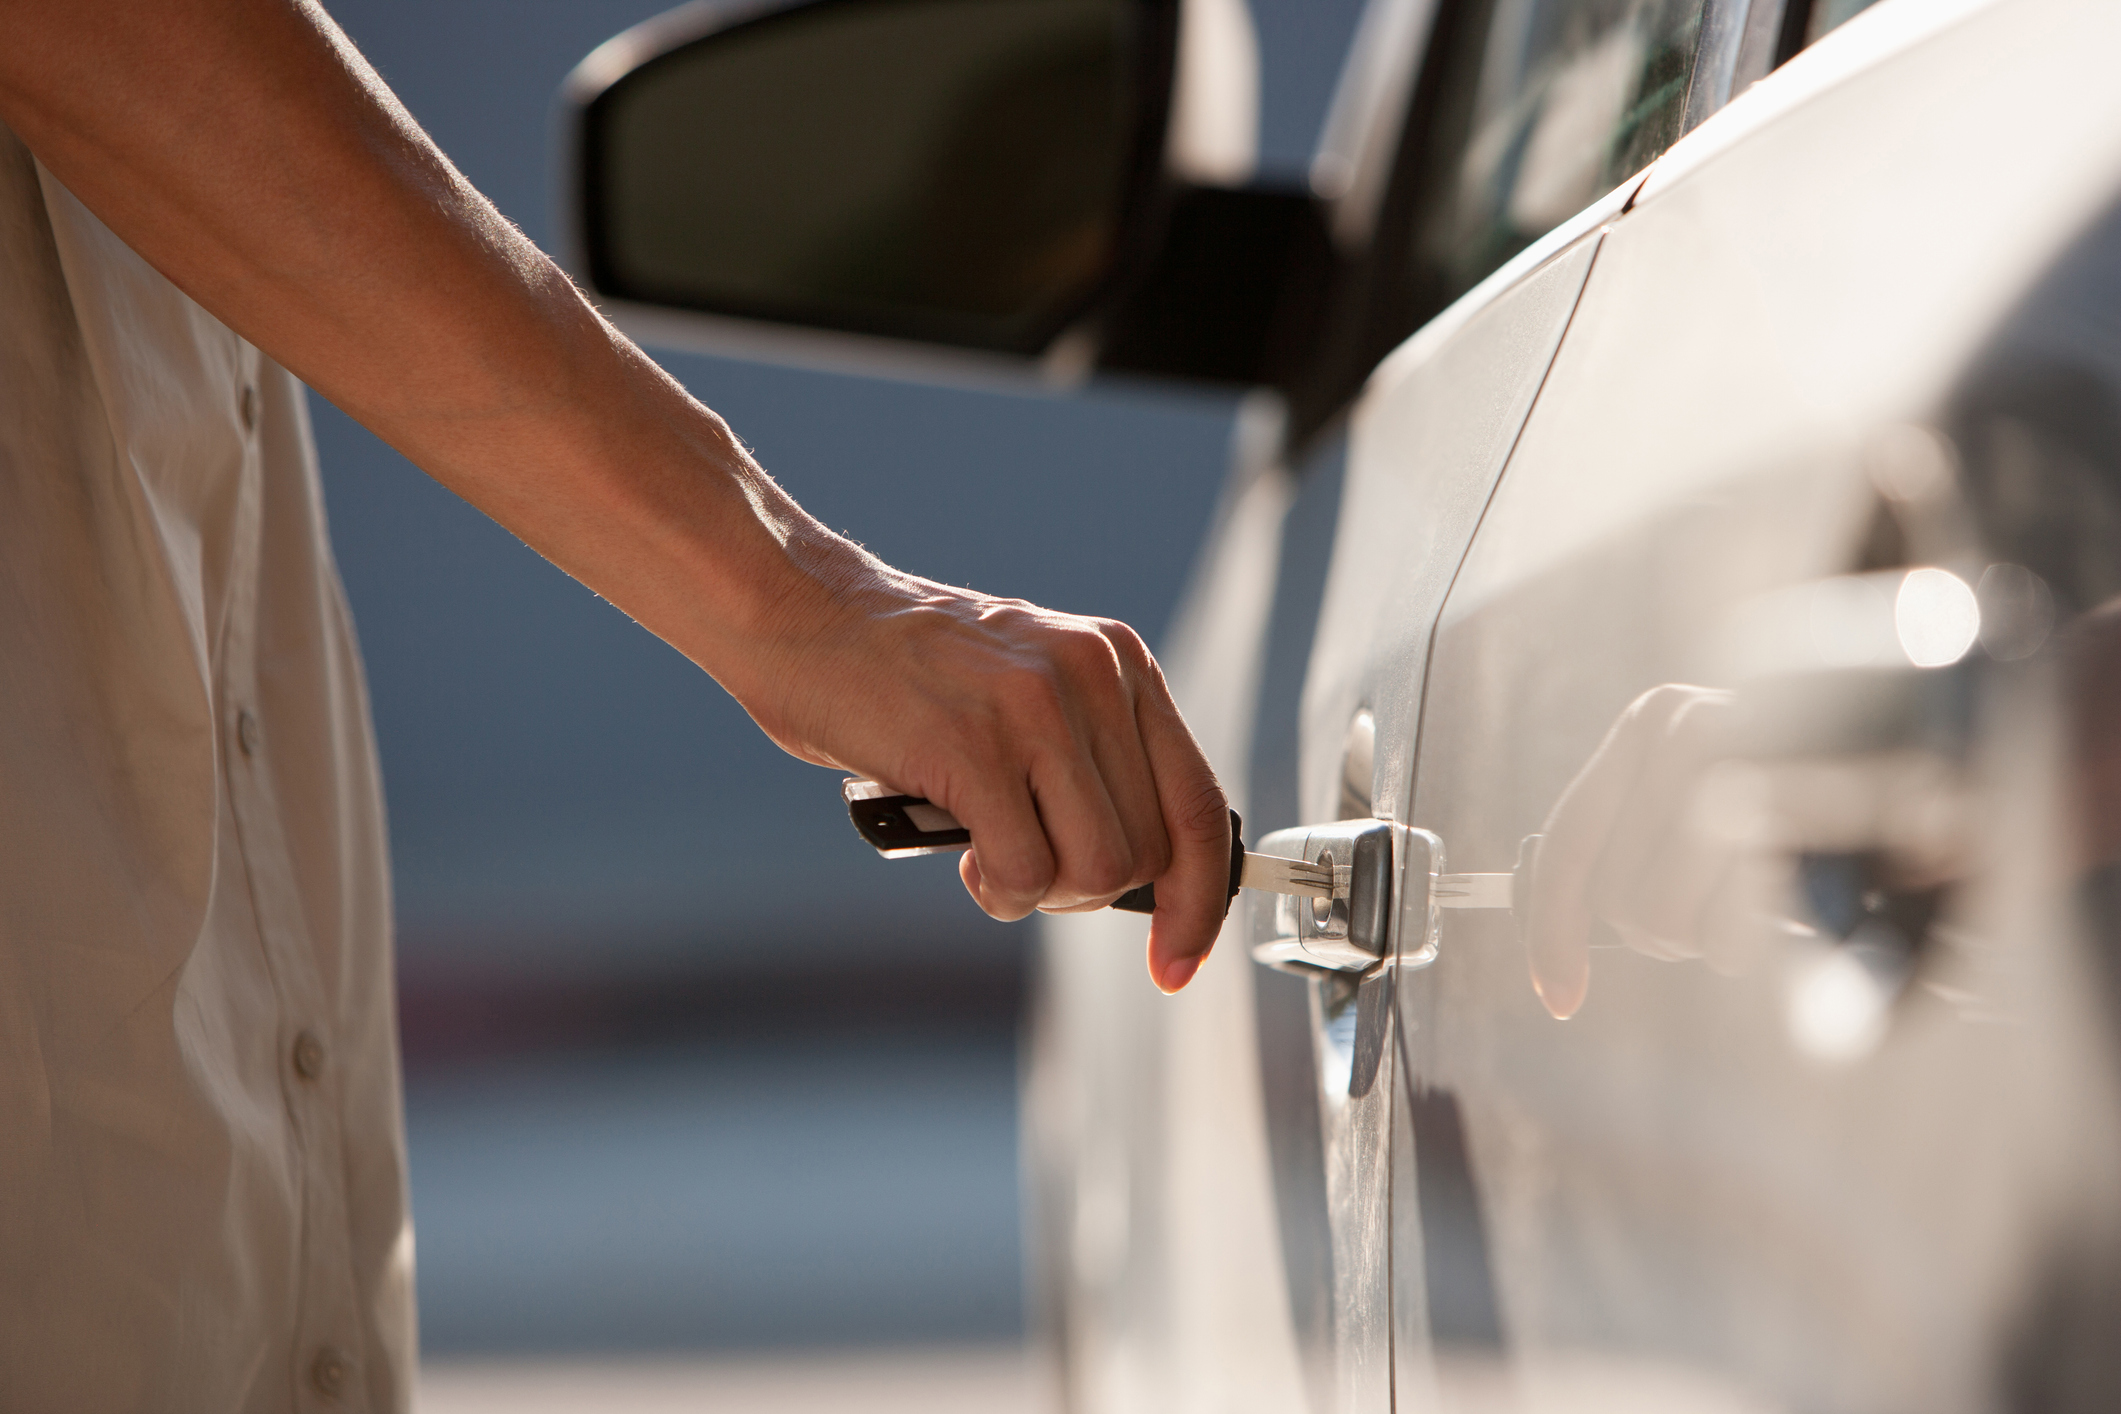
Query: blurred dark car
(1668, 565)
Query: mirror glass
(948, 170)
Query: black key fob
(1143, 899)
(901, 826)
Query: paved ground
(777, 1195)
(974, 1380)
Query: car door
(1774, 1159)
(1447, 409)
(1206, 1260)
(1533, 113)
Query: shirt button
(331, 1371)
(248, 733)
(249, 405)
(309, 1055)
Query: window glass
(1535, 109)
(1831, 14)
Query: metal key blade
(1475, 890)
(1271, 875)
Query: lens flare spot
(1936, 617)
(1837, 1009)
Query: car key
(901, 826)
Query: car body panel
(1670, 1188)
(1152, 1205)
(1428, 444)
(1557, 498)
(1240, 1045)
(1436, 428)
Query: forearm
(246, 151)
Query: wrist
(765, 590)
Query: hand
(1624, 845)
(1051, 736)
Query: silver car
(1670, 569)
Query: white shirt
(202, 1174)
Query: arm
(247, 151)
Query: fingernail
(1562, 1001)
(1177, 974)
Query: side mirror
(995, 182)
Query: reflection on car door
(1725, 1177)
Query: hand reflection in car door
(1709, 823)
(1681, 838)
(1621, 847)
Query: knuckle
(1152, 858)
(1019, 873)
(1125, 643)
(1105, 871)
(1086, 653)
(1201, 810)
(1028, 879)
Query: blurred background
(703, 1097)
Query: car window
(1531, 110)
(1832, 14)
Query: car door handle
(1389, 886)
